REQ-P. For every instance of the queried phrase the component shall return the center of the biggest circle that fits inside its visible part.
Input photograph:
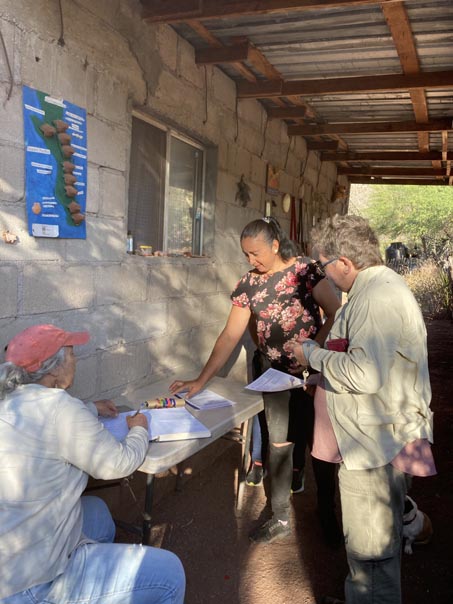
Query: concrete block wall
(148, 317)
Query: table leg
(147, 512)
(243, 468)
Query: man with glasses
(372, 410)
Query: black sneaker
(255, 475)
(271, 530)
(298, 483)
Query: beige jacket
(378, 392)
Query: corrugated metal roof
(355, 41)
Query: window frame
(172, 132)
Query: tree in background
(422, 218)
(416, 215)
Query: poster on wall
(55, 166)
(272, 180)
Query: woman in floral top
(284, 292)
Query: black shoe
(298, 483)
(331, 530)
(270, 531)
(255, 476)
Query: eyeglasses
(324, 264)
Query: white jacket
(49, 443)
(378, 392)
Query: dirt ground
(200, 525)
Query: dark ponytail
(270, 228)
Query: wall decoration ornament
(243, 192)
(286, 202)
(272, 180)
(55, 166)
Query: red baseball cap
(31, 347)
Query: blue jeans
(110, 573)
(372, 503)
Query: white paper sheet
(206, 399)
(273, 380)
(175, 423)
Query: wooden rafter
(371, 180)
(372, 127)
(174, 11)
(322, 145)
(400, 28)
(393, 171)
(431, 79)
(369, 156)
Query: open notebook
(175, 423)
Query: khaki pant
(372, 503)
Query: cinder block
(166, 280)
(51, 288)
(37, 60)
(93, 190)
(108, 144)
(183, 358)
(85, 380)
(123, 365)
(216, 307)
(202, 279)
(239, 161)
(144, 320)
(187, 68)
(251, 112)
(74, 78)
(105, 242)
(226, 187)
(258, 170)
(8, 291)
(229, 275)
(167, 42)
(183, 314)
(13, 176)
(11, 122)
(27, 248)
(223, 89)
(111, 98)
(113, 193)
(120, 284)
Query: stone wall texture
(148, 317)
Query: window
(166, 188)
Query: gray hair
(350, 236)
(12, 376)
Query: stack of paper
(273, 380)
(175, 423)
(206, 399)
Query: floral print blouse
(284, 309)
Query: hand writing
(137, 420)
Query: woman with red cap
(56, 546)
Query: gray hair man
(372, 408)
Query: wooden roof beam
(371, 127)
(322, 145)
(393, 172)
(174, 11)
(371, 180)
(431, 79)
(287, 112)
(365, 156)
(222, 54)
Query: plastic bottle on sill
(130, 243)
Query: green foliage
(431, 287)
(410, 213)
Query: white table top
(162, 456)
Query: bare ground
(200, 525)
